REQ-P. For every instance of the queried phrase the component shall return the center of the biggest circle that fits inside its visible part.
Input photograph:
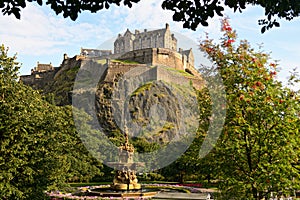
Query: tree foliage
(193, 12)
(39, 147)
(190, 12)
(258, 152)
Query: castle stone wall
(118, 69)
(166, 57)
(27, 80)
(141, 56)
(39, 80)
(161, 73)
(167, 76)
(160, 56)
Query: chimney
(65, 56)
(145, 30)
(167, 26)
(137, 32)
(180, 50)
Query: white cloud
(40, 33)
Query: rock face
(147, 107)
(155, 108)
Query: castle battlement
(42, 68)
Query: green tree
(259, 149)
(85, 165)
(28, 161)
(39, 145)
(191, 12)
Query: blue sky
(42, 36)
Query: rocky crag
(152, 93)
(153, 76)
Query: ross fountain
(125, 182)
(126, 178)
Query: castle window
(141, 44)
(117, 48)
(189, 71)
(157, 41)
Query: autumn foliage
(258, 153)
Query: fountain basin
(124, 187)
(104, 192)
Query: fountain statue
(125, 183)
(126, 179)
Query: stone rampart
(190, 69)
(165, 75)
(141, 56)
(168, 58)
(198, 82)
(156, 56)
(27, 79)
(160, 56)
(118, 69)
(39, 80)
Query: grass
(143, 88)
(102, 62)
(179, 72)
(125, 61)
(167, 126)
(71, 73)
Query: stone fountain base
(125, 187)
(123, 194)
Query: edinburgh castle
(146, 48)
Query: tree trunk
(254, 193)
(181, 177)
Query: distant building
(42, 68)
(94, 52)
(161, 38)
